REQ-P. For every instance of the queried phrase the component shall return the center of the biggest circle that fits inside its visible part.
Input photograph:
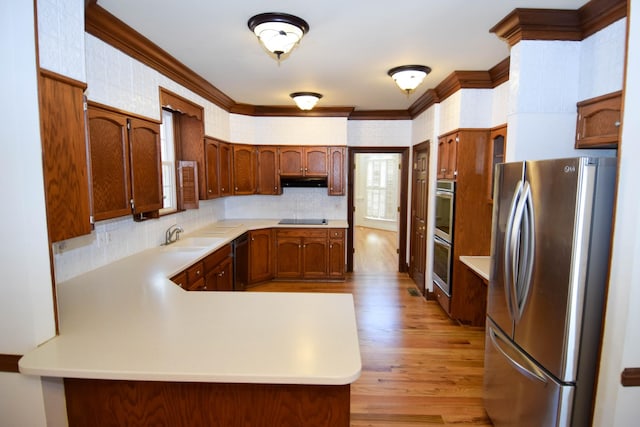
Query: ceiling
(345, 55)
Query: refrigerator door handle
(510, 265)
(530, 370)
(527, 258)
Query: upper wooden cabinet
(244, 169)
(126, 173)
(225, 169)
(308, 161)
(495, 154)
(336, 181)
(599, 121)
(66, 181)
(268, 178)
(212, 181)
(447, 156)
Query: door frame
(404, 185)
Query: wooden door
(443, 157)
(291, 161)
(224, 168)
(419, 200)
(495, 154)
(109, 155)
(452, 156)
(212, 183)
(289, 258)
(315, 256)
(64, 156)
(244, 169)
(190, 144)
(336, 181)
(315, 161)
(146, 170)
(268, 178)
(260, 256)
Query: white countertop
(128, 321)
(481, 265)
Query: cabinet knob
(236, 188)
(210, 191)
(617, 123)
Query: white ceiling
(350, 46)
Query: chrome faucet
(172, 234)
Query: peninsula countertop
(481, 265)
(128, 321)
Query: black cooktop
(312, 221)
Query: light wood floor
(375, 250)
(419, 368)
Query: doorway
(377, 211)
(419, 200)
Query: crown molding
(500, 72)
(289, 111)
(380, 115)
(108, 28)
(558, 24)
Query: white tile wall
(242, 128)
(450, 113)
(499, 104)
(300, 130)
(60, 37)
(379, 133)
(475, 108)
(602, 61)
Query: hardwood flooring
(375, 250)
(419, 368)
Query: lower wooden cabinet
(442, 298)
(308, 253)
(336, 263)
(214, 273)
(260, 256)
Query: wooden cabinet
(448, 156)
(212, 182)
(64, 158)
(336, 180)
(244, 169)
(472, 223)
(260, 255)
(309, 253)
(495, 154)
(308, 161)
(126, 173)
(599, 119)
(336, 259)
(268, 177)
(225, 159)
(213, 273)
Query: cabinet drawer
(180, 279)
(443, 299)
(336, 233)
(195, 273)
(213, 260)
(297, 232)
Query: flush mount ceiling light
(409, 77)
(278, 32)
(305, 100)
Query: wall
(617, 405)
(26, 301)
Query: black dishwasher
(241, 262)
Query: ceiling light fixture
(278, 32)
(305, 100)
(409, 77)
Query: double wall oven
(443, 238)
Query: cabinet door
(260, 256)
(289, 258)
(224, 168)
(443, 157)
(244, 169)
(212, 160)
(225, 275)
(495, 155)
(315, 254)
(109, 154)
(452, 152)
(146, 170)
(190, 147)
(315, 161)
(291, 161)
(336, 262)
(336, 179)
(268, 180)
(64, 157)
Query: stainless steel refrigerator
(550, 251)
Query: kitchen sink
(197, 242)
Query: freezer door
(508, 181)
(517, 392)
(549, 328)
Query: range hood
(303, 182)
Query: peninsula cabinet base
(150, 403)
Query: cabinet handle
(443, 170)
(299, 246)
(330, 246)
(236, 188)
(198, 272)
(617, 123)
(210, 191)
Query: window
(381, 191)
(168, 155)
